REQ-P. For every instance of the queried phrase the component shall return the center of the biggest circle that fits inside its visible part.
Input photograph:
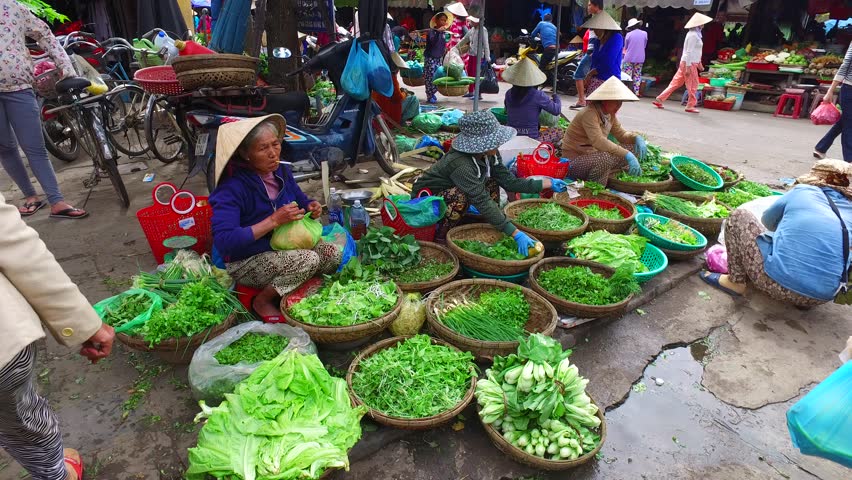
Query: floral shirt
(16, 67)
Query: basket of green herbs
(669, 234)
(704, 215)
(547, 220)
(732, 197)
(606, 211)
(582, 288)
(483, 248)
(412, 383)
(756, 189)
(730, 177)
(437, 266)
(488, 317)
(695, 175)
(655, 177)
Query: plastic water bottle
(335, 207)
(163, 40)
(358, 220)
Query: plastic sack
(414, 70)
(427, 122)
(452, 57)
(421, 211)
(427, 141)
(299, 235)
(489, 84)
(440, 72)
(820, 423)
(354, 79)
(451, 117)
(104, 305)
(410, 107)
(825, 114)
(336, 235)
(545, 119)
(210, 381)
(379, 74)
(404, 144)
(717, 259)
(412, 316)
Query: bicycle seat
(67, 85)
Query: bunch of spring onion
(536, 399)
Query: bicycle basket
(159, 80)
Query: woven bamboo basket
(488, 234)
(680, 255)
(640, 188)
(513, 209)
(611, 226)
(440, 254)
(334, 335)
(566, 307)
(217, 78)
(406, 423)
(542, 319)
(177, 351)
(414, 82)
(728, 183)
(452, 91)
(189, 63)
(523, 457)
(709, 227)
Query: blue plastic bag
(379, 74)
(339, 237)
(451, 117)
(440, 72)
(354, 80)
(421, 211)
(820, 424)
(427, 141)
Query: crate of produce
(695, 175)
(718, 105)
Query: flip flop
(658, 104)
(692, 110)
(76, 465)
(712, 279)
(576, 106)
(67, 214)
(37, 205)
(268, 318)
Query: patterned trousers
(285, 269)
(597, 166)
(458, 204)
(745, 262)
(29, 429)
(635, 72)
(429, 67)
(688, 77)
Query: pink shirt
(271, 184)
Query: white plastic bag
(210, 381)
(452, 57)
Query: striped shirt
(844, 74)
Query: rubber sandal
(658, 104)
(67, 214)
(38, 205)
(712, 279)
(75, 465)
(576, 106)
(817, 154)
(268, 318)
(692, 110)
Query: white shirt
(692, 47)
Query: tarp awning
(688, 4)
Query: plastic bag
(489, 84)
(825, 114)
(410, 107)
(210, 381)
(379, 74)
(545, 119)
(420, 212)
(427, 141)
(336, 235)
(156, 305)
(354, 79)
(451, 117)
(440, 72)
(414, 70)
(452, 57)
(404, 144)
(412, 316)
(299, 235)
(717, 259)
(427, 122)
(821, 422)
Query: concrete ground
(730, 368)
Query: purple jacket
(241, 201)
(523, 113)
(436, 43)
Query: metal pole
(479, 51)
(558, 48)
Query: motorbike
(565, 63)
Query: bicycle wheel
(162, 131)
(386, 154)
(126, 127)
(96, 133)
(59, 137)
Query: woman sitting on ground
(592, 154)
(254, 195)
(796, 254)
(524, 102)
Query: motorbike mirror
(281, 52)
(524, 31)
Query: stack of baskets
(215, 71)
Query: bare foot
(267, 303)
(725, 281)
(72, 461)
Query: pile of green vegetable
(732, 197)
(200, 305)
(697, 173)
(754, 188)
(496, 315)
(579, 284)
(342, 301)
(596, 211)
(610, 249)
(424, 272)
(672, 230)
(323, 89)
(414, 379)
(548, 216)
(289, 419)
(537, 400)
(389, 252)
(708, 209)
(505, 249)
(727, 174)
(252, 348)
(655, 168)
(126, 309)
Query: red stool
(246, 295)
(784, 101)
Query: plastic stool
(783, 102)
(699, 96)
(246, 295)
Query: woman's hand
(286, 214)
(99, 345)
(315, 208)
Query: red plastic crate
(768, 67)
(605, 204)
(716, 105)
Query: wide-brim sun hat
(473, 19)
(524, 73)
(231, 135)
(480, 132)
(577, 39)
(601, 21)
(613, 89)
(457, 9)
(633, 22)
(697, 20)
(434, 22)
(823, 169)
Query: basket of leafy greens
(695, 175)
(437, 266)
(606, 211)
(483, 248)
(655, 177)
(704, 215)
(730, 177)
(610, 249)
(669, 234)
(732, 197)
(756, 189)
(548, 221)
(488, 317)
(582, 288)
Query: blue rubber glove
(564, 160)
(641, 146)
(473, 210)
(633, 167)
(558, 185)
(524, 243)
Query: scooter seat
(288, 102)
(73, 83)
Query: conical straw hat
(231, 135)
(456, 9)
(697, 20)
(576, 39)
(433, 23)
(602, 21)
(612, 89)
(525, 73)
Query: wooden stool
(796, 98)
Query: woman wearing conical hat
(524, 102)
(606, 58)
(690, 64)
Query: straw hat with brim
(398, 61)
(231, 135)
(612, 89)
(633, 22)
(601, 21)
(697, 20)
(434, 22)
(826, 173)
(576, 39)
(457, 9)
(480, 132)
(473, 19)
(524, 73)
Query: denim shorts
(584, 67)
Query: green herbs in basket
(388, 251)
(708, 209)
(126, 308)
(731, 197)
(425, 272)
(672, 230)
(754, 188)
(338, 304)
(596, 211)
(497, 315)
(655, 168)
(579, 284)
(252, 348)
(697, 173)
(505, 249)
(610, 249)
(548, 216)
(414, 379)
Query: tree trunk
(281, 31)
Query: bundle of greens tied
(579, 284)
(414, 379)
(495, 315)
(548, 216)
(687, 208)
(596, 211)
(537, 401)
(610, 249)
(504, 249)
(672, 230)
(655, 168)
(697, 173)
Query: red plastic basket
(159, 80)
(393, 219)
(605, 204)
(768, 67)
(715, 105)
(183, 214)
(542, 161)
